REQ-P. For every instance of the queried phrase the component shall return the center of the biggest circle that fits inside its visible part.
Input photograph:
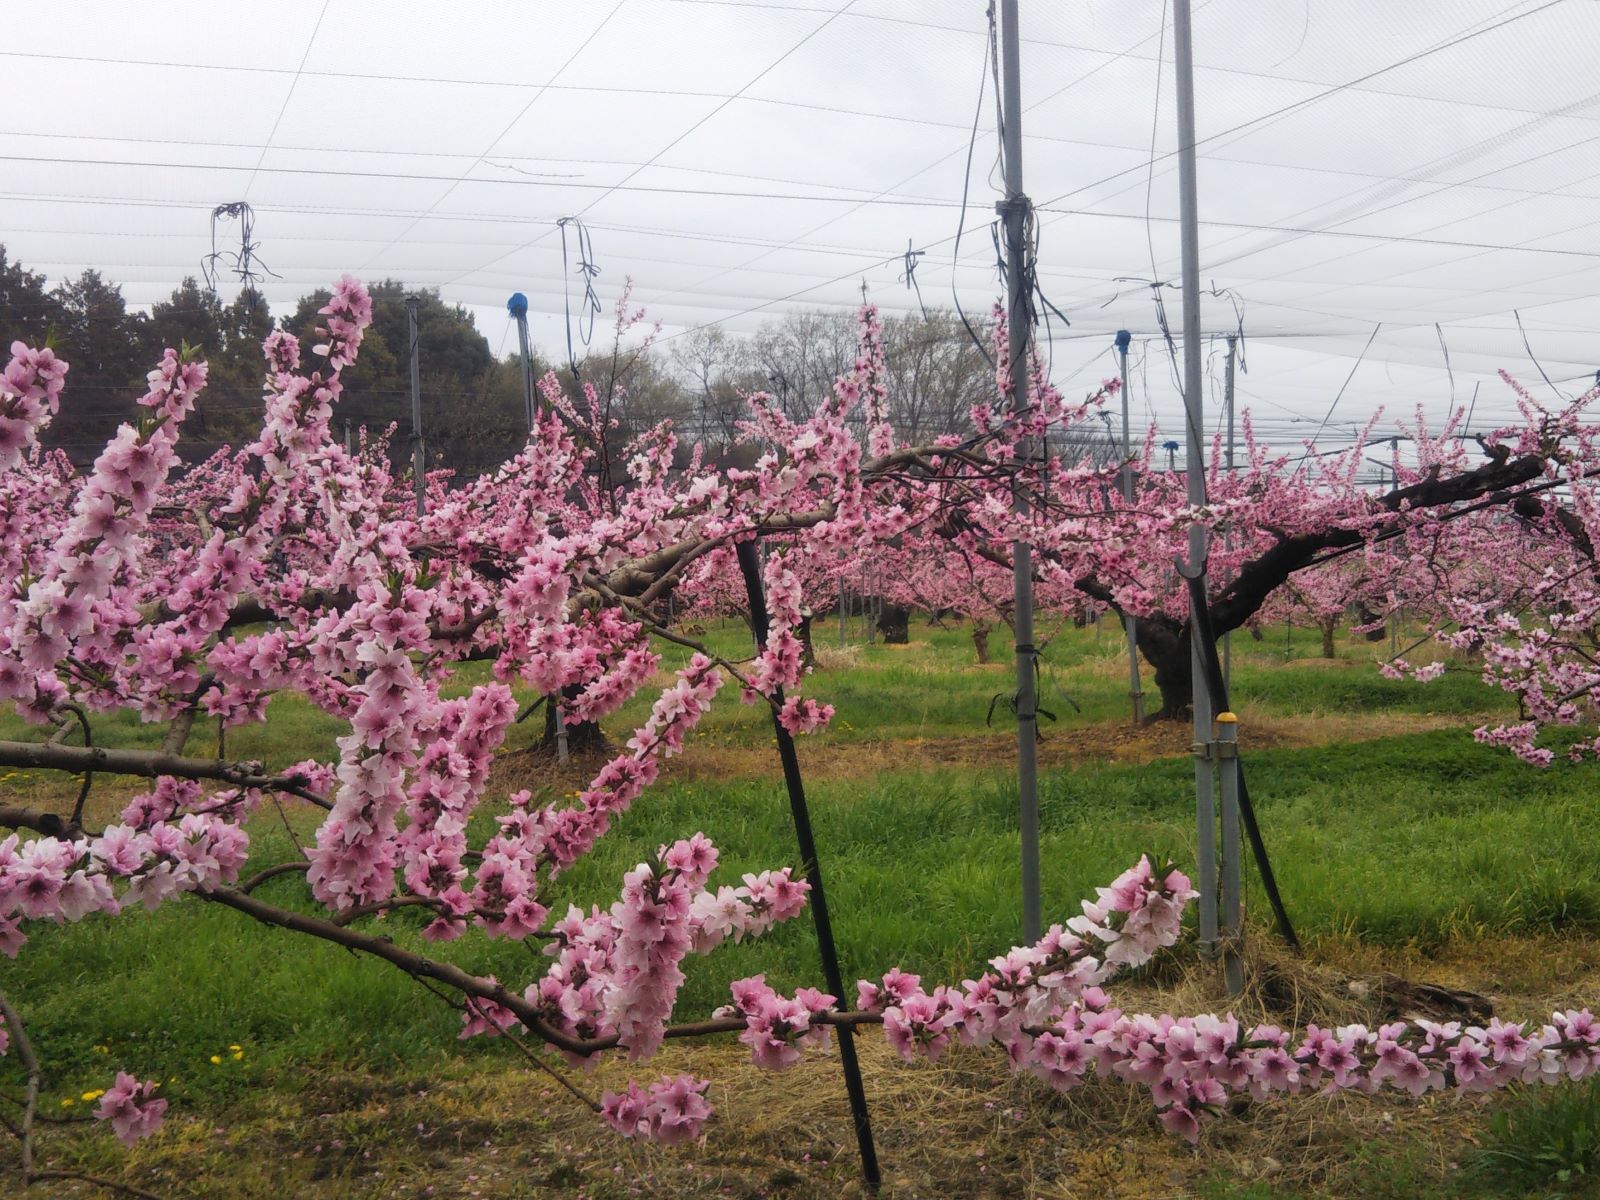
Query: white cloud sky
(1391, 165)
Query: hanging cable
(1438, 329)
(1347, 379)
(243, 261)
(908, 275)
(966, 187)
(1150, 172)
(589, 307)
(1526, 346)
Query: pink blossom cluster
(130, 1105)
(776, 1028)
(1139, 913)
(132, 1108)
(30, 394)
(60, 880)
(674, 1109)
(616, 972)
(72, 608)
(1191, 1066)
(779, 664)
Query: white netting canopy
(1385, 189)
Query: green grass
(1545, 1143)
(1539, 1144)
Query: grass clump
(1545, 1143)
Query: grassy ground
(1399, 843)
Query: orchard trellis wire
(708, 233)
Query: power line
(626, 181)
(500, 137)
(289, 96)
(479, 81)
(1307, 101)
(413, 176)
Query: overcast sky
(1364, 165)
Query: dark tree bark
(808, 652)
(1366, 616)
(1328, 626)
(894, 623)
(980, 643)
(1165, 646)
(583, 737)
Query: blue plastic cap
(1169, 445)
(1124, 338)
(517, 306)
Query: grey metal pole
(517, 306)
(1015, 212)
(1227, 399)
(419, 460)
(1194, 469)
(1227, 392)
(1398, 613)
(869, 605)
(842, 642)
(1130, 622)
(1232, 899)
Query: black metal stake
(750, 568)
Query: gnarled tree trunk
(980, 642)
(808, 652)
(583, 737)
(894, 623)
(1165, 646)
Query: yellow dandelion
(68, 1102)
(216, 1060)
(235, 1046)
(238, 1056)
(102, 1049)
(91, 1096)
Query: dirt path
(827, 758)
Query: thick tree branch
(16, 816)
(151, 765)
(472, 986)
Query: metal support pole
(1130, 622)
(1015, 213)
(1227, 392)
(419, 461)
(1227, 399)
(869, 628)
(1232, 902)
(517, 306)
(1394, 479)
(1194, 466)
(842, 601)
